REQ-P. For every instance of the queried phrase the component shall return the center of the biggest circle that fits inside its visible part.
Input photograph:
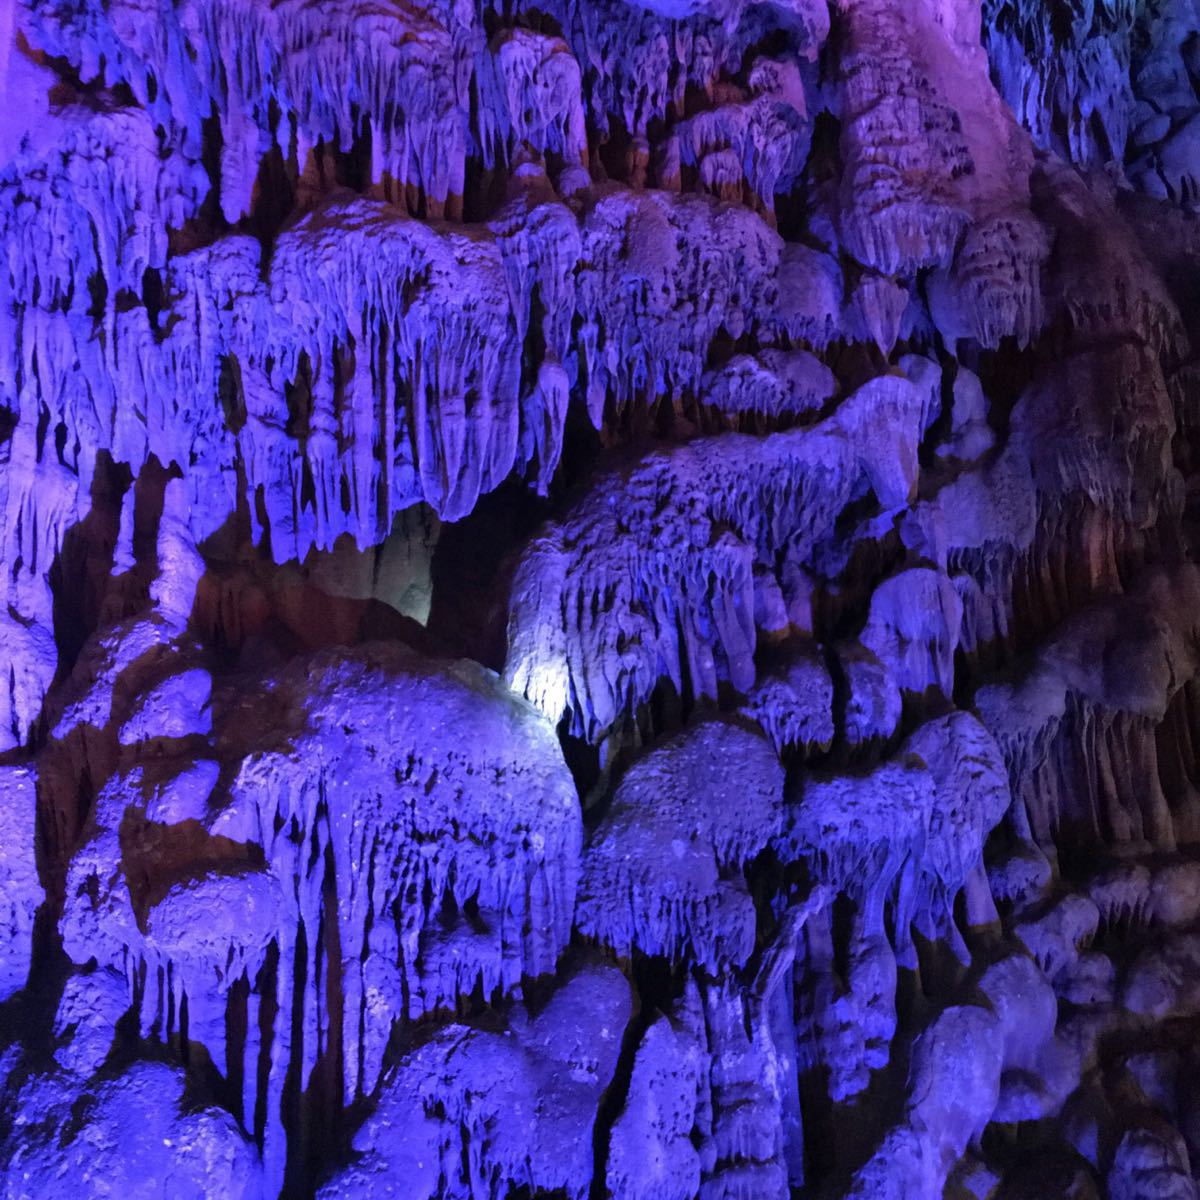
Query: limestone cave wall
(600, 598)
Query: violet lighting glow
(600, 600)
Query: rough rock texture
(662, 871)
(600, 599)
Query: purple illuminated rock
(346, 796)
(22, 890)
(796, 401)
(129, 1135)
(517, 1105)
(794, 705)
(661, 874)
(650, 576)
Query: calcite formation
(599, 599)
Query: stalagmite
(23, 891)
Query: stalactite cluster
(600, 599)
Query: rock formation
(600, 599)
